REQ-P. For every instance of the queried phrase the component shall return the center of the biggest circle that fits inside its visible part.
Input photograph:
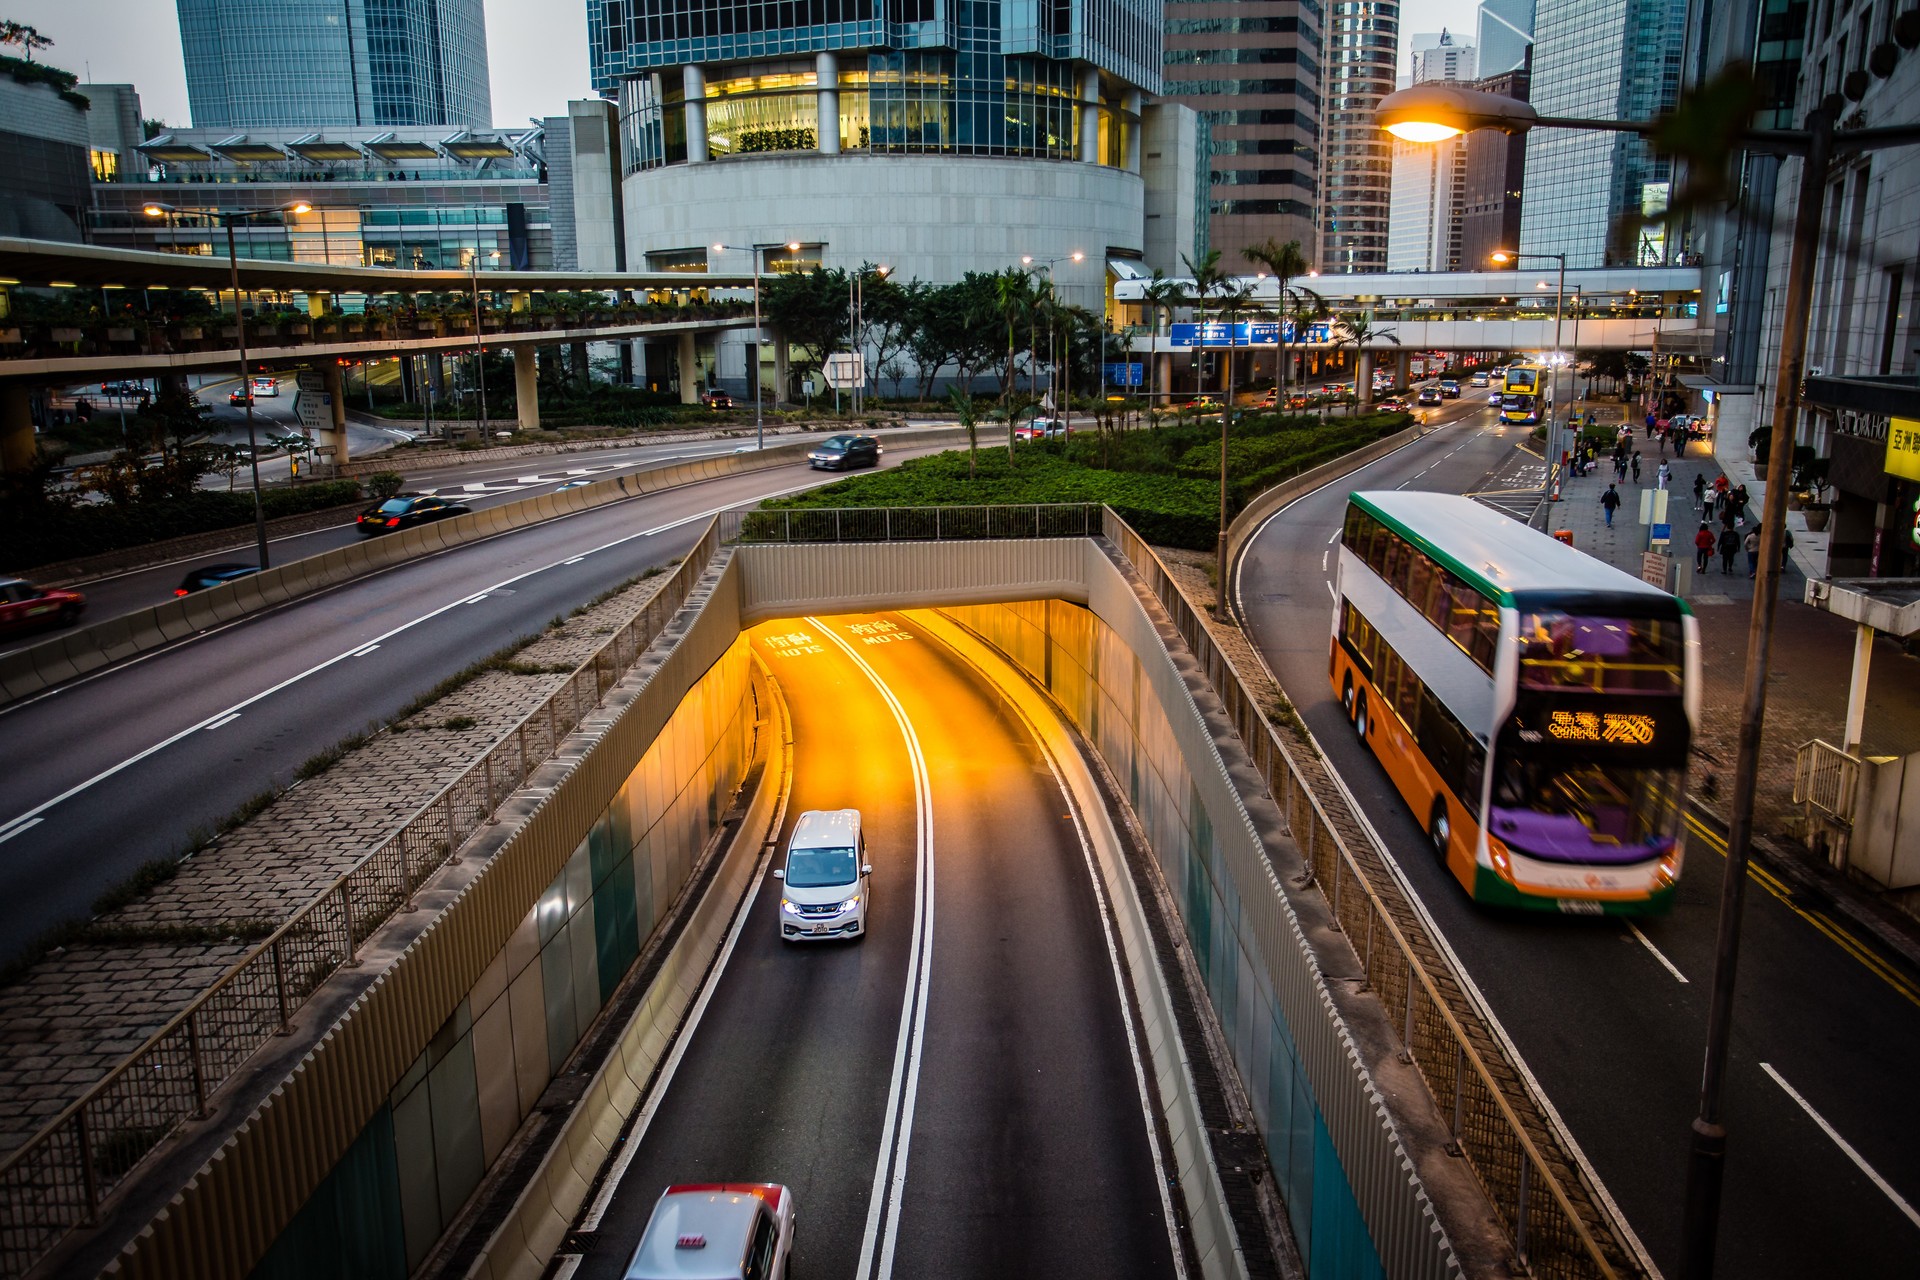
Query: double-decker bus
(1525, 394)
(1533, 705)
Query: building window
(106, 165)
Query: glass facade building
(339, 63)
(1506, 32)
(1363, 49)
(1600, 197)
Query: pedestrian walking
(1636, 466)
(1650, 421)
(1729, 517)
(1729, 544)
(1720, 487)
(1680, 441)
(1739, 499)
(1700, 489)
(1610, 503)
(1786, 545)
(1753, 551)
(1663, 444)
(1666, 475)
(1703, 544)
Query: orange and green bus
(1525, 394)
(1533, 705)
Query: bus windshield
(1584, 813)
(1604, 654)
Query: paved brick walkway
(78, 1012)
(1812, 658)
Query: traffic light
(1913, 525)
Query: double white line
(890, 1169)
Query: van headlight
(789, 906)
(848, 905)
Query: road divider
(80, 652)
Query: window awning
(239, 150)
(465, 146)
(317, 149)
(164, 148)
(1126, 269)
(389, 147)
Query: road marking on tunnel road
(890, 1170)
(363, 652)
(1647, 942)
(229, 718)
(1844, 1145)
(7, 827)
(11, 832)
(1819, 920)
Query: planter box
(123, 335)
(190, 331)
(299, 330)
(65, 335)
(1817, 514)
(9, 335)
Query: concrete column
(827, 70)
(1402, 368)
(1363, 378)
(580, 366)
(782, 370)
(526, 387)
(1857, 690)
(689, 370)
(333, 380)
(694, 80)
(317, 304)
(1130, 103)
(1163, 377)
(1090, 115)
(17, 445)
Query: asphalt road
(1611, 1019)
(1009, 1138)
(107, 772)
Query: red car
(26, 607)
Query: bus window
(1608, 655)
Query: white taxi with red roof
(717, 1231)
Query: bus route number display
(1615, 728)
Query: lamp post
(1504, 256)
(1435, 112)
(479, 363)
(1033, 264)
(856, 300)
(157, 209)
(759, 428)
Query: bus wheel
(1360, 716)
(1440, 829)
(1346, 695)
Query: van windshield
(818, 868)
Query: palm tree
(1287, 262)
(1010, 292)
(1358, 332)
(969, 419)
(1160, 295)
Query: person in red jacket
(1702, 548)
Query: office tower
(1506, 32)
(1495, 177)
(1253, 72)
(320, 63)
(1599, 197)
(1361, 50)
(1423, 225)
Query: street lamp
(479, 362)
(792, 246)
(856, 328)
(157, 209)
(1032, 264)
(1434, 112)
(1504, 256)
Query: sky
(537, 48)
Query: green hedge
(48, 534)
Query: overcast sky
(537, 48)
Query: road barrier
(76, 653)
(58, 1180)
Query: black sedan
(1427, 396)
(843, 453)
(212, 575)
(404, 510)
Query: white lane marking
(16, 829)
(1333, 537)
(890, 1170)
(229, 718)
(575, 560)
(1333, 593)
(361, 653)
(611, 1184)
(322, 665)
(1647, 942)
(1844, 1145)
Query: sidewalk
(1812, 657)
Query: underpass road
(110, 771)
(1611, 1020)
(1023, 1131)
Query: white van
(824, 882)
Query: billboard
(1255, 333)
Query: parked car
(1040, 429)
(212, 575)
(717, 1231)
(825, 888)
(405, 510)
(27, 606)
(716, 399)
(1449, 389)
(843, 453)
(1428, 396)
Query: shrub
(49, 534)
(382, 485)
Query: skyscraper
(1362, 48)
(1506, 30)
(1496, 174)
(1598, 197)
(253, 64)
(1253, 70)
(1429, 179)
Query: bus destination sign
(1620, 728)
(1641, 730)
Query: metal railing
(1826, 780)
(911, 524)
(1526, 1184)
(58, 1179)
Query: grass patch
(321, 761)
(459, 723)
(146, 877)
(249, 929)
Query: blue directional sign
(1257, 333)
(1127, 374)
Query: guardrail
(1826, 780)
(1549, 1236)
(911, 524)
(58, 1179)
